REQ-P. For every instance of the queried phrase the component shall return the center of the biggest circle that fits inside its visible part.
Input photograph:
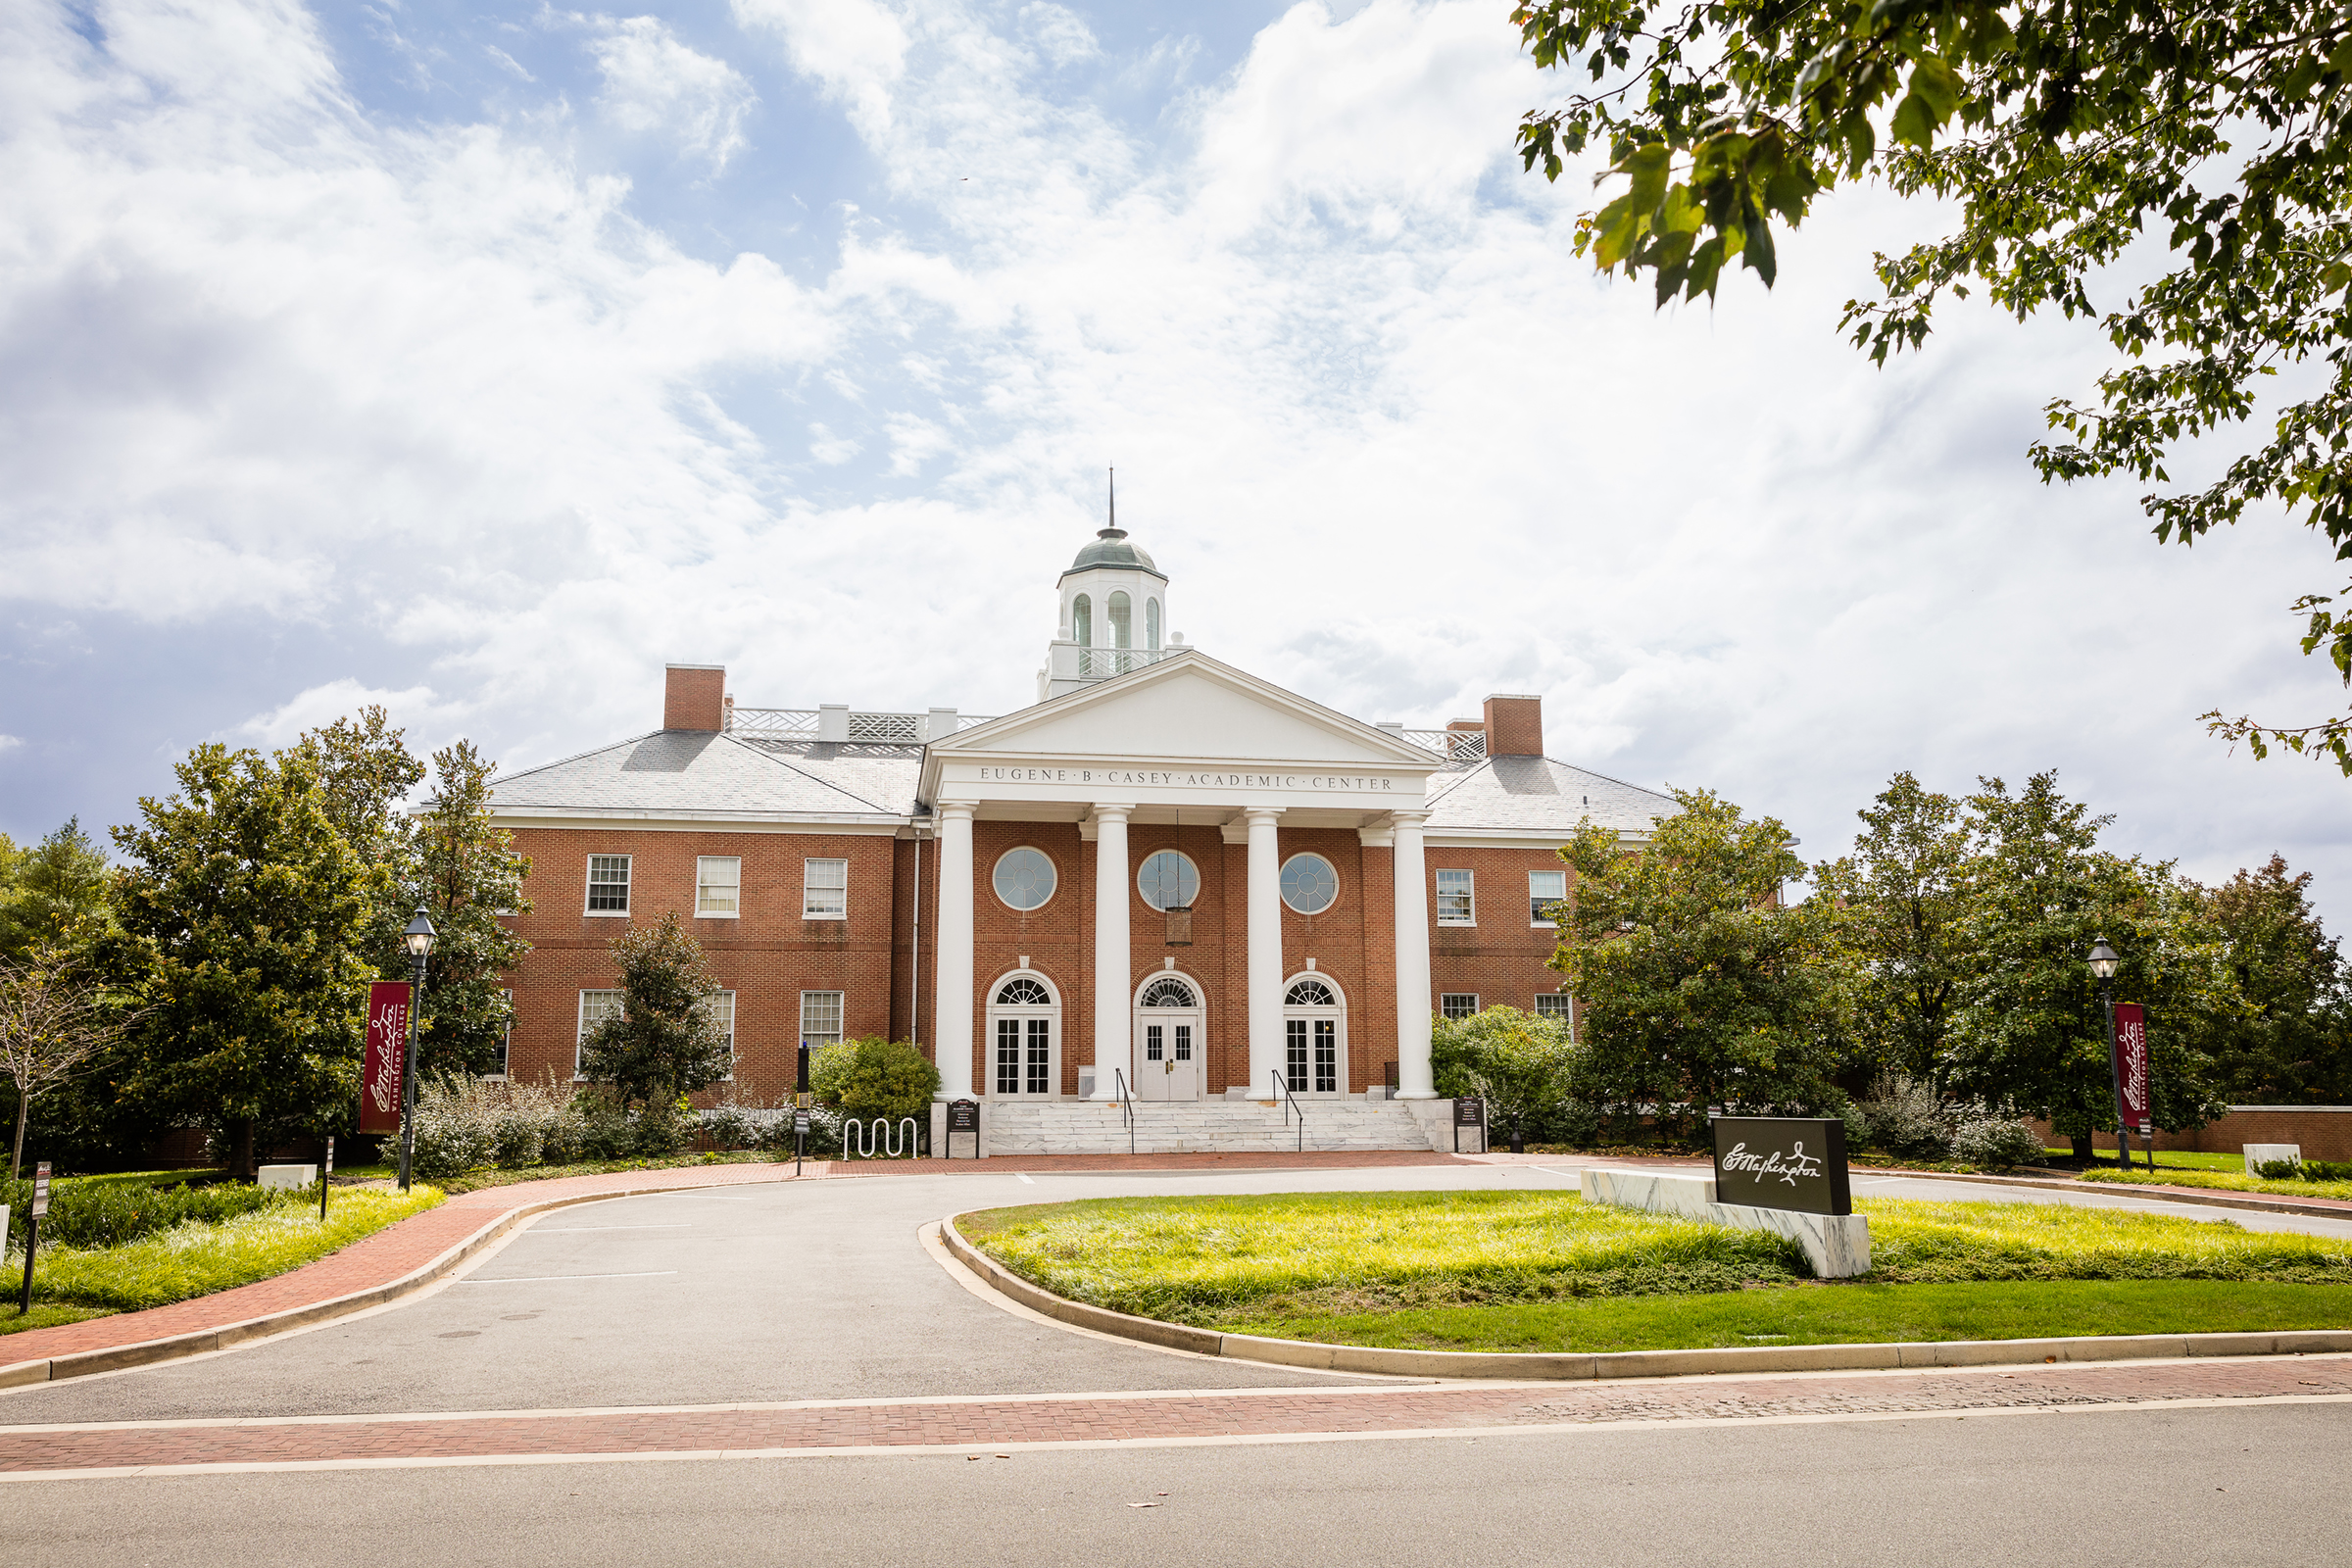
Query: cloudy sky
(479, 358)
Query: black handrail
(1282, 1091)
(1126, 1104)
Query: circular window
(1024, 877)
(1308, 883)
(1168, 881)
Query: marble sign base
(1836, 1245)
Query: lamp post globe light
(418, 937)
(2104, 962)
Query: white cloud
(9, 743)
(430, 719)
(1396, 445)
(1060, 34)
(655, 82)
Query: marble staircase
(1198, 1126)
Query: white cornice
(703, 821)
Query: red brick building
(1166, 879)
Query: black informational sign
(964, 1116)
(1469, 1111)
(1782, 1162)
(799, 1124)
(40, 1191)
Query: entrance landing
(1201, 1126)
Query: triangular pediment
(1187, 707)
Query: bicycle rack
(897, 1140)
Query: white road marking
(1023, 1176)
(541, 1279)
(583, 1229)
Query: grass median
(1546, 1271)
(198, 1257)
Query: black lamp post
(417, 938)
(2104, 960)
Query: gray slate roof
(1536, 795)
(702, 773)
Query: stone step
(1077, 1127)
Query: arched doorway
(1314, 1030)
(1169, 1037)
(1025, 1035)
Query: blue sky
(480, 359)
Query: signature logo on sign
(1788, 1167)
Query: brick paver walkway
(738, 1430)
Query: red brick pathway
(974, 1423)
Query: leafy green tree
(2026, 1031)
(1698, 985)
(243, 913)
(52, 895)
(664, 1042)
(2057, 133)
(2294, 1043)
(874, 1077)
(1521, 1063)
(1894, 907)
(466, 873)
(55, 1023)
(447, 857)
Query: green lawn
(2167, 1159)
(199, 1258)
(1834, 1314)
(2219, 1181)
(1545, 1270)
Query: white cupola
(1115, 614)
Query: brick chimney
(695, 696)
(1515, 725)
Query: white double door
(1169, 1044)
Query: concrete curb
(2256, 1203)
(1632, 1363)
(202, 1342)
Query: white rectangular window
(607, 883)
(719, 1009)
(1552, 1004)
(820, 1017)
(1458, 1004)
(595, 1008)
(719, 885)
(1457, 898)
(1544, 889)
(824, 890)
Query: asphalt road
(808, 1291)
(2243, 1487)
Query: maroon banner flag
(387, 1047)
(2131, 1064)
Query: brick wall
(2324, 1132)
(1500, 958)
(767, 954)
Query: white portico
(1183, 741)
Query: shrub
(874, 1077)
(465, 1122)
(1520, 1063)
(1997, 1142)
(110, 1213)
(1904, 1117)
(2305, 1170)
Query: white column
(952, 964)
(1413, 1077)
(1113, 1006)
(1265, 950)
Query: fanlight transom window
(1311, 994)
(1167, 993)
(1022, 992)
